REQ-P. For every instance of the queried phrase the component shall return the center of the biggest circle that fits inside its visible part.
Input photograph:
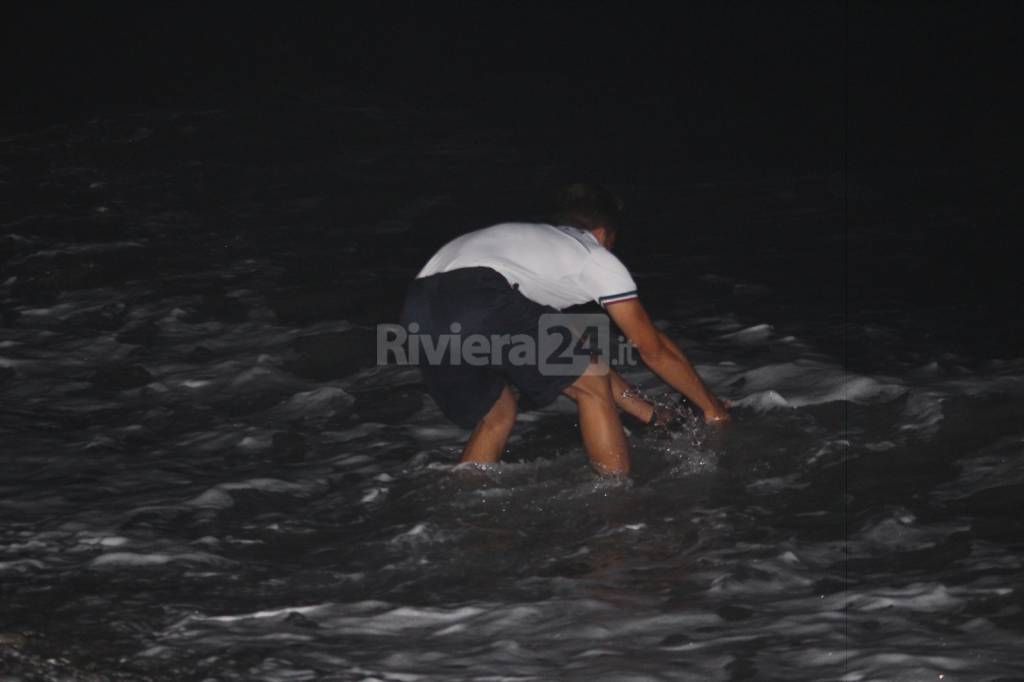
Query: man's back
(558, 266)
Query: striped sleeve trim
(617, 298)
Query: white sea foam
(763, 401)
(133, 559)
(219, 497)
(324, 401)
(754, 334)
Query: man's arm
(665, 358)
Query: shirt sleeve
(605, 279)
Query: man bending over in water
(498, 281)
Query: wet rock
(289, 446)
(6, 374)
(121, 378)
(334, 355)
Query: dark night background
(905, 115)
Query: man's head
(589, 207)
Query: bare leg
(628, 401)
(603, 438)
(488, 439)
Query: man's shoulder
(517, 225)
(531, 230)
(575, 234)
(543, 236)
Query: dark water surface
(205, 476)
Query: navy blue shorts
(482, 302)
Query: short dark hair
(587, 207)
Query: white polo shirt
(557, 266)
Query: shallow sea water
(206, 476)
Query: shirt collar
(590, 235)
(584, 234)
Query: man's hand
(717, 414)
